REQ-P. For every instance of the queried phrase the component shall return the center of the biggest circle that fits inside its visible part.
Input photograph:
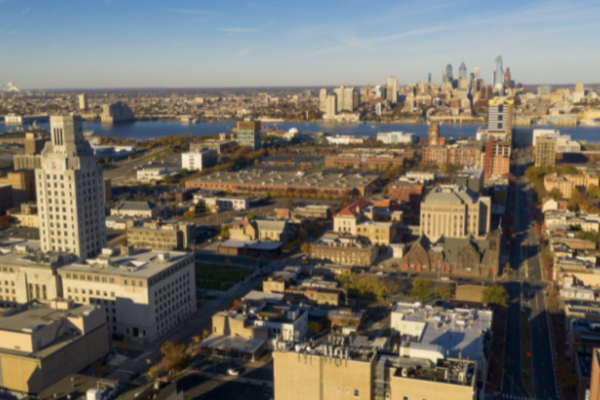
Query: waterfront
(157, 129)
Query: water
(157, 129)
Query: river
(157, 129)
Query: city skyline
(280, 43)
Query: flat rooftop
(142, 264)
(27, 253)
(323, 179)
(457, 330)
(38, 315)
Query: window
(356, 393)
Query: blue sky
(226, 43)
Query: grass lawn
(221, 272)
(213, 285)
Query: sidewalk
(237, 379)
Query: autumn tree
(288, 203)
(445, 293)
(306, 248)
(174, 357)
(421, 289)
(495, 295)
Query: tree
(507, 268)
(168, 179)
(256, 162)
(252, 216)
(224, 232)
(556, 194)
(420, 289)
(306, 248)
(289, 203)
(175, 357)
(443, 293)
(495, 295)
(156, 372)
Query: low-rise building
(345, 249)
(27, 216)
(199, 159)
(566, 183)
(41, 344)
(312, 211)
(146, 293)
(407, 190)
(159, 235)
(250, 248)
(397, 137)
(144, 209)
(218, 145)
(155, 174)
(218, 204)
(122, 223)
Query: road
(526, 289)
(126, 170)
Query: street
(527, 297)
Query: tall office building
(462, 71)
(498, 75)
(449, 76)
(322, 100)
(500, 119)
(429, 78)
(83, 104)
(248, 134)
(392, 89)
(70, 192)
(507, 79)
(477, 72)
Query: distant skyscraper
(322, 100)
(380, 91)
(507, 79)
(378, 108)
(331, 106)
(477, 72)
(429, 78)
(449, 73)
(345, 98)
(83, 104)
(462, 71)
(498, 76)
(392, 89)
(70, 192)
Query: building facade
(566, 183)
(345, 249)
(248, 134)
(500, 119)
(199, 159)
(158, 235)
(70, 192)
(545, 152)
(497, 158)
(117, 112)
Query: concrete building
(548, 133)
(248, 134)
(470, 178)
(545, 152)
(500, 119)
(323, 101)
(27, 216)
(116, 113)
(23, 186)
(345, 249)
(564, 144)
(397, 137)
(452, 211)
(28, 274)
(70, 192)
(345, 98)
(218, 204)
(146, 293)
(199, 159)
(41, 344)
(107, 183)
(369, 370)
(392, 90)
(566, 183)
(460, 332)
(144, 209)
(34, 143)
(158, 235)
(312, 211)
(83, 103)
(155, 174)
(218, 145)
(331, 104)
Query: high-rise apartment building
(345, 98)
(83, 104)
(70, 192)
(392, 89)
(331, 106)
(500, 119)
(462, 71)
(322, 100)
(545, 152)
(248, 134)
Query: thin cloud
(26, 10)
(238, 30)
(247, 50)
(195, 12)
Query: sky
(69, 44)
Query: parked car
(232, 372)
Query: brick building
(345, 249)
(472, 154)
(497, 158)
(409, 192)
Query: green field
(222, 273)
